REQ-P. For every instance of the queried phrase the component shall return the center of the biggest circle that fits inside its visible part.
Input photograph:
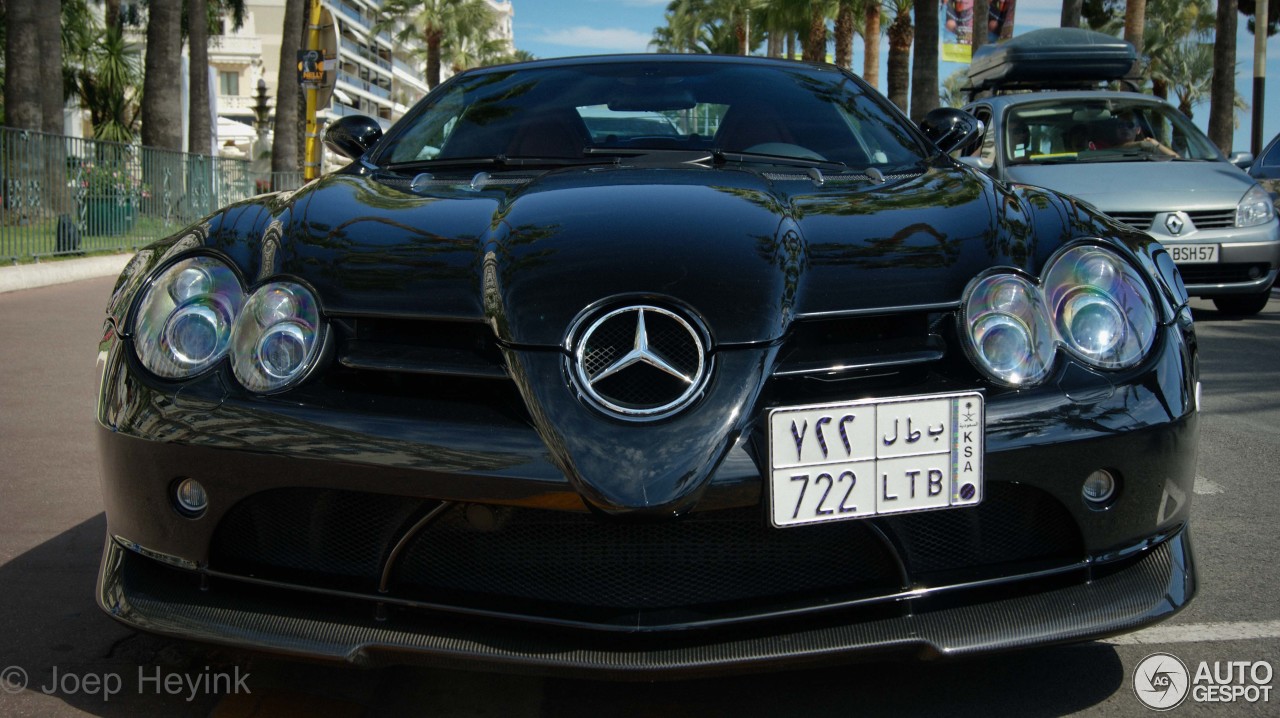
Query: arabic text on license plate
(866, 458)
(1193, 253)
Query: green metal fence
(67, 196)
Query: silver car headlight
(277, 337)
(1102, 309)
(1255, 208)
(1009, 336)
(183, 322)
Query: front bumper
(1141, 590)
(1248, 259)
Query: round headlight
(183, 321)
(1102, 308)
(1008, 334)
(277, 338)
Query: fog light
(1099, 488)
(191, 497)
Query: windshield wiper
(721, 157)
(501, 161)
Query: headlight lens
(184, 320)
(1256, 208)
(1092, 301)
(276, 338)
(1102, 309)
(1009, 336)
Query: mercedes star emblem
(640, 362)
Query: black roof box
(1051, 58)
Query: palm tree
(1189, 72)
(872, 12)
(901, 35)
(1071, 13)
(52, 99)
(1223, 87)
(1135, 21)
(952, 94)
(815, 46)
(199, 124)
(924, 61)
(432, 21)
(1172, 24)
(162, 88)
(737, 14)
(284, 144)
(108, 81)
(844, 34)
(22, 105)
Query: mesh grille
(1013, 523)
(471, 553)
(316, 533)
(579, 560)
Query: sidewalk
(43, 274)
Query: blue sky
(554, 28)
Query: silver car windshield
(1101, 130)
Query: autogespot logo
(1161, 681)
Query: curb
(43, 274)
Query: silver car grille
(1200, 219)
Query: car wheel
(1242, 304)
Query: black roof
(1053, 58)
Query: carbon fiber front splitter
(147, 595)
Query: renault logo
(1174, 224)
(640, 362)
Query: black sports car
(779, 383)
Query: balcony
(234, 48)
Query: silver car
(1142, 162)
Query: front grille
(1223, 273)
(576, 559)
(1213, 219)
(419, 346)
(1200, 219)
(1013, 523)
(545, 563)
(1137, 220)
(311, 536)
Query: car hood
(744, 251)
(1142, 186)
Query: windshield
(619, 109)
(1101, 130)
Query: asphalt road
(75, 660)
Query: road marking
(1200, 633)
(1206, 487)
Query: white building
(375, 76)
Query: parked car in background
(1266, 167)
(1133, 156)
(779, 383)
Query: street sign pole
(311, 162)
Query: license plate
(851, 460)
(1193, 253)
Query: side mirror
(952, 130)
(351, 136)
(1243, 160)
(977, 163)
